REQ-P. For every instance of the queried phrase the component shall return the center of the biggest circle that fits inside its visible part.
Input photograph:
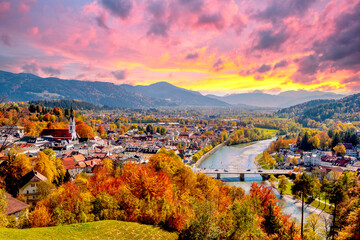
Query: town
(121, 137)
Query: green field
(320, 205)
(272, 132)
(95, 230)
(315, 203)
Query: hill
(67, 104)
(346, 109)
(284, 99)
(93, 230)
(28, 87)
(299, 109)
(174, 94)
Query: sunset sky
(215, 46)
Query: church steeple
(71, 112)
(72, 129)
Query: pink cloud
(23, 8)
(34, 31)
(4, 7)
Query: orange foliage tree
(165, 192)
(84, 130)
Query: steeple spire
(71, 112)
(72, 129)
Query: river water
(239, 157)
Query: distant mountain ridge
(28, 87)
(282, 100)
(181, 96)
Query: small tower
(72, 129)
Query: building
(12, 130)
(28, 186)
(312, 158)
(73, 167)
(63, 134)
(350, 150)
(14, 206)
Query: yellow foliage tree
(45, 166)
(340, 149)
(40, 217)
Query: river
(240, 157)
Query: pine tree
(336, 140)
(303, 186)
(272, 223)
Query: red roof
(58, 134)
(69, 162)
(14, 205)
(99, 155)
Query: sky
(212, 46)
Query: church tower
(72, 129)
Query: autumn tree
(13, 169)
(45, 166)
(58, 111)
(163, 131)
(272, 180)
(314, 228)
(3, 205)
(302, 187)
(150, 129)
(101, 130)
(247, 223)
(340, 149)
(324, 140)
(40, 217)
(337, 195)
(294, 161)
(203, 226)
(84, 130)
(109, 165)
(283, 184)
(44, 189)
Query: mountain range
(282, 100)
(174, 94)
(29, 87)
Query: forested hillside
(345, 109)
(76, 105)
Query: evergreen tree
(303, 185)
(149, 129)
(305, 143)
(336, 140)
(272, 223)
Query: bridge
(265, 173)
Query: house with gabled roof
(73, 167)
(28, 186)
(14, 206)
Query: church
(63, 134)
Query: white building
(312, 158)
